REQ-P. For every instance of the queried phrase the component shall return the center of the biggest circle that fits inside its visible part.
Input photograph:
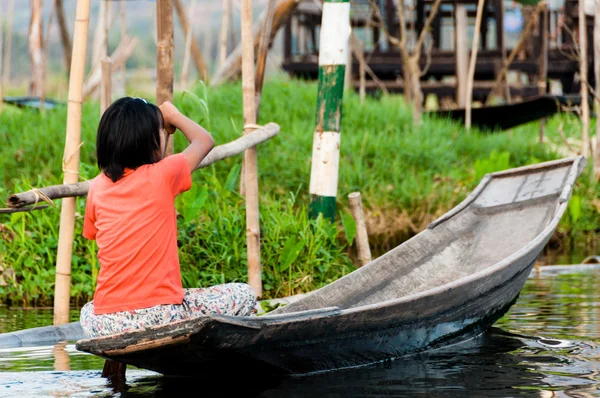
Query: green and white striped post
(333, 55)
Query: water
(548, 345)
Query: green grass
(407, 175)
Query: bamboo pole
(596, 162)
(71, 164)
(35, 46)
(7, 43)
(199, 61)
(164, 62)
(233, 148)
(583, 79)
(65, 38)
(362, 238)
(185, 69)
(462, 54)
(250, 161)
(106, 91)
(224, 32)
(473, 62)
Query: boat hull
(445, 285)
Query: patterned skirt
(227, 299)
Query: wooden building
(559, 22)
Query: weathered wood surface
(448, 283)
(220, 152)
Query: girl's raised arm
(201, 142)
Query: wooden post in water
(164, 61)
(583, 79)
(362, 238)
(473, 62)
(462, 54)
(71, 164)
(250, 160)
(333, 55)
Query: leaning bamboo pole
(185, 68)
(199, 61)
(250, 160)
(164, 55)
(261, 58)
(473, 62)
(71, 164)
(35, 46)
(583, 79)
(10, 12)
(47, 194)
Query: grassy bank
(408, 175)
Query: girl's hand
(170, 116)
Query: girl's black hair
(128, 136)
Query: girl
(130, 213)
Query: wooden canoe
(447, 284)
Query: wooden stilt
(45, 59)
(473, 62)
(543, 72)
(164, 62)
(250, 161)
(462, 54)
(583, 79)
(71, 164)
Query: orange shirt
(133, 222)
